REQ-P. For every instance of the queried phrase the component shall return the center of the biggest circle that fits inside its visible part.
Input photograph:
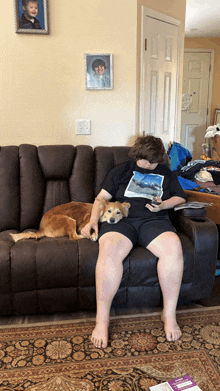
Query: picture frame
(98, 71)
(30, 19)
(217, 117)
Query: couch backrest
(35, 179)
(105, 158)
(9, 188)
(108, 157)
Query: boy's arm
(94, 218)
(172, 202)
(166, 204)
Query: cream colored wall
(209, 43)
(43, 80)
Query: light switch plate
(83, 126)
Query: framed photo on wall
(99, 71)
(31, 16)
(217, 117)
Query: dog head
(113, 212)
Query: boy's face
(146, 164)
(100, 70)
(31, 9)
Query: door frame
(211, 77)
(147, 12)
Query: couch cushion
(9, 188)
(52, 175)
(105, 159)
(45, 264)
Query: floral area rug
(60, 356)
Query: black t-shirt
(25, 23)
(129, 183)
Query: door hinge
(145, 43)
(210, 68)
(207, 111)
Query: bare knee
(167, 245)
(173, 246)
(114, 245)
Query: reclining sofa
(57, 274)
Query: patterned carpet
(60, 357)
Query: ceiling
(202, 18)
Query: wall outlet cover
(83, 126)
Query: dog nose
(112, 220)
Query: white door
(196, 82)
(159, 78)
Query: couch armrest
(199, 228)
(203, 233)
(213, 212)
(197, 214)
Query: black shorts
(138, 230)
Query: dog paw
(94, 238)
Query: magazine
(192, 205)
(185, 383)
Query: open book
(192, 205)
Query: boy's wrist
(93, 221)
(163, 205)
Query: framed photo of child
(31, 16)
(99, 71)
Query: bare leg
(167, 247)
(113, 249)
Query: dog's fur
(69, 220)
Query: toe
(173, 335)
(104, 345)
(169, 337)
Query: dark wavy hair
(149, 148)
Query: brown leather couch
(58, 275)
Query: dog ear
(125, 208)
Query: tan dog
(68, 219)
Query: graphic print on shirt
(145, 186)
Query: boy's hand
(89, 229)
(156, 205)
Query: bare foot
(171, 328)
(99, 336)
